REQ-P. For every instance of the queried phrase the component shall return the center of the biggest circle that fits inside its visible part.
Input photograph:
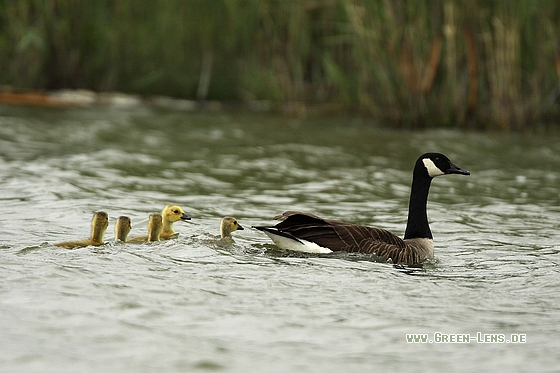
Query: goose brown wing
(341, 236)
(311, 228)
(398, 252)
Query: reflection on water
(198, 303)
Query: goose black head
(437, 164)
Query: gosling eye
(175, 211)
(234, 223)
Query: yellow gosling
(229, 224)
(99, 225)
(122, 228)
(155, 227)
(171, 214)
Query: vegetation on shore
(410, 63)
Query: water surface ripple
(198, 303)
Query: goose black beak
(454, 169)
(239, 227)
(185, 217)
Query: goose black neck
(417, 226)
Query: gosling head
(228, 225)
(122, 228)
(99, 225)
(173, 213)
(437, 164)
(155, 227)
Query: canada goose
(309, 233)
(171, 214)
(155, 227)
(99, 225)
(228, 225)
(122, 228)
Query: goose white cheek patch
(433, 170)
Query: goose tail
(287, 241)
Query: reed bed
(409, 63)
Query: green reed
(411, 63)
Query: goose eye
(234, 223)
(175, 211)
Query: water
(198, 304)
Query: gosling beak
(454, 169)
(185, 217)
(239, 227)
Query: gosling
(171, 214)
(229, 224)
(99, 225)
(122, 228)
(155, 227)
